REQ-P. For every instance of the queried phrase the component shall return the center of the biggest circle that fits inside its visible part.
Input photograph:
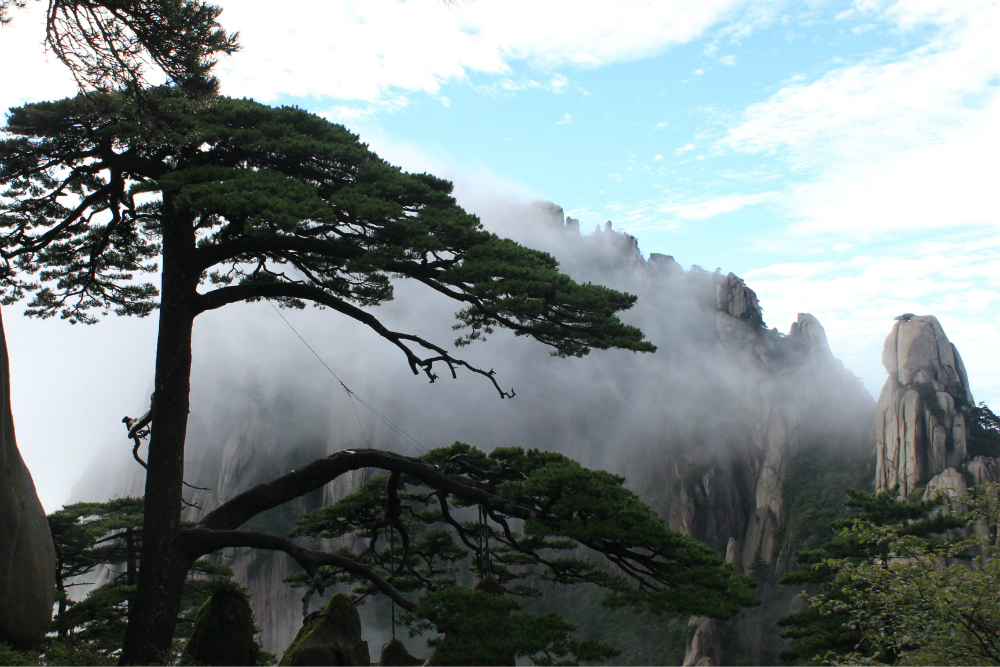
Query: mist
(262, 403)
(253, 379)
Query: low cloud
(896, 141)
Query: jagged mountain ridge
(702, 429)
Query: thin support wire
(406, 437)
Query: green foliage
(563, 506)
(816, 475)
(641, 637)
(11, 656)
(110, 44)
(983, 431)
(546, 515)
(827, 627)
(481, 628)
(264, 190)
(928, 601)
(90, 537)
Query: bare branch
(248, 291)
(197, 542)
(234, 513)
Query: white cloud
(658, 157)
(360, 50)
(709, 208)
(660, 126)
(728, 60)
(684, 149)
(565, 120)
(35, 77)
(558, 84)
(856, 299)
(894, 142)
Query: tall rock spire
(919, 426)
(27, 556)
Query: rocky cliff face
(27, 556)
(920, 429)
(922, 417)
(704, 430)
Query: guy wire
(413, 442)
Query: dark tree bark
(153, 616)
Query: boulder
(984, 470)
(920, 430)
(27, 555)
(330, 637)
(950, 482)
(394, 653)
(704, 646)
(223, 632)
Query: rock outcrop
(703, 646)
(223, 632)
(330, 637)
(27, 555)
(394, 654)
(983, 470)
(920, 430)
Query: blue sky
(839, 156)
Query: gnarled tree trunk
(163, 565)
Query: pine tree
(233, 201)
(538, 510)
(95, 539)
(249, 202)
(816, 632)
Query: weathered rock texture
(703, 646)
(919, 427)
(330, 637)
(27, 556)
(223, 632)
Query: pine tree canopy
(816, 632)
(282, 205)
(541, 509)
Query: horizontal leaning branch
(199, 541)
(234, 513)
(222, 296)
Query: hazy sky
(839, 156)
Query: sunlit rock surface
(919, 428)
(27, 556)
(704, 647)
